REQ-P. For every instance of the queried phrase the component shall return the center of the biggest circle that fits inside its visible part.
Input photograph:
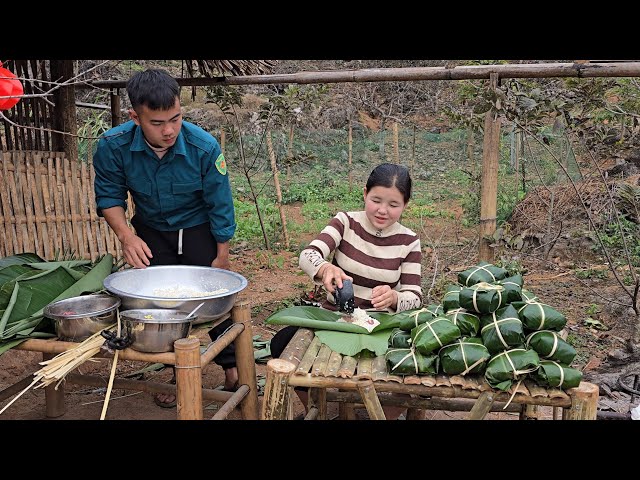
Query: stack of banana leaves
(487, 324)
(29, 283)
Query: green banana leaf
(20, 259)
(54, 265)
(12, 272)
(23, 315)
(318, 318)
(353, 343)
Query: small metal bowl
(154, 330)
(77, 318)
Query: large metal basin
(150, 288)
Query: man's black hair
(154, 88)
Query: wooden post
(371, 400)
(350, 155)
(530, 412)
(318, 399)
(416, 414)
(413, 150)
(54, 399)
(482, 406)
(276, 181)
(241, 313)
(188, 379)
(115, 107)
(65, 110)
(489, 189)
(396, 147)
(275, 403)
(584, 402)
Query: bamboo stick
(396, 148)
(232, 403)
(75, 204)
(428, 380)
(37, 196)
(350, 155)
(365, 363)
(299, 344)
(215, 347)
(65, 232)
(85, 201)
(321, 360)
(318, 401)
(276, 182)
(379, 368)
(335, 359)
(347, 367)
(9, 238)
(18, 209)
(482, 406)
(308, 357)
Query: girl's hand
(332, 276)
(383, 297)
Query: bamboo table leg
(276, 401)
(482, 406)
(241, 313)
(318, 399)
(371, 400)
(188, 379)
(584, 402)
(55, 406)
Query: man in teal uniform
(177, 176)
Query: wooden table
(188, 363)
(307, 363)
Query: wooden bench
(307, 363)
(188, 362)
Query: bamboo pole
(276, 401)
(232, 403)
(489, 188)
(350, 155)
(241, 314)
(396, 147)
(318, 401)
(464, 72)
(75, 191)
(482, 406)
(54, 396)
(18, 205)
(276, 181)
(65, 233)
(85, 200)
(215, 347)
(188, 379)
(299, 345)
(584, 402)
(371, 400)
(9, 238)
(34, 206)
(40, 195)
(115, 108)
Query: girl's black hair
(391, 175)
(154, 88)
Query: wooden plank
(428, 380)
(47, 205)
(442, 381)
(535, 390)
(379, 368)
(65, 232)
(321, 361)
(365, 364)
(76, 208)
(9, 237)
(38, 206)
(333, 365)
(412, 380)
(89, 224)
(347, 367)
(18, 206)
(309, 356)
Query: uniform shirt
(181, 190)
(371, 256)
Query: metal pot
(154, 330)
(77, 318)
(144, 288)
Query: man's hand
(383, 297)
(136, 252)
(332, 276)
(222, 257)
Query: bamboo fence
(48, 208)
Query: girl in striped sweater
(371, 248)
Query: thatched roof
(222, 68)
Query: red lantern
(9, 85)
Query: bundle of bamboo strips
(58, 367)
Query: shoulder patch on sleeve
(221, 164)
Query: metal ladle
(193, 311)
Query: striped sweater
(372, 257)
